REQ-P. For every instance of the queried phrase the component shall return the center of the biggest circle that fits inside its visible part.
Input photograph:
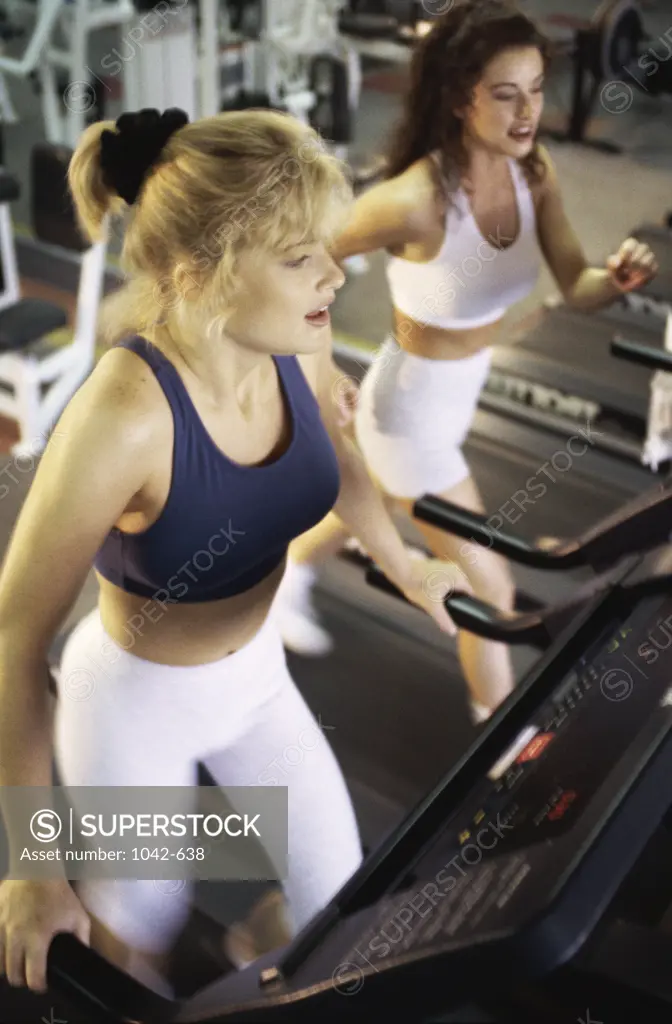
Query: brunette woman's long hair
(446, 66)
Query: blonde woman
(205, 440)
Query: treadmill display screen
(546, 779)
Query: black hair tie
(127, 155)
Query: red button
(535, 747)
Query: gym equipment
(163, 69)
(67, 105)
(9, 273)
(8, 32)
(642, 525)
(182, 55)
(357, 20)
(559, 376)
(384, 31)
(308, 61)
(301, 42)
(37, 377)
(546, 485)
(530, 852)
(610, 62)
(331, 113)
(286, 55)
(644, 355)
(291, 54)
(526, 475)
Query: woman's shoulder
(123, 391)
(423, 178)
(421, 191)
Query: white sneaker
(297, 619)
(301, 634)
(478, 712)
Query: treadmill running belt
(574, 356)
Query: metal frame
(23, 374)
(10, 271)
(77, 20)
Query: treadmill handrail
(478, 616)
(641, 525)
(473, 526)
(97, 987)
(492, 623)
(651, 356)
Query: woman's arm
(96, 461)
(362, 510)
(582, 286)
(390, 215)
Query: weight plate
(619, 29)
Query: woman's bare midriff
(441, 344)
(185, 634)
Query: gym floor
(396, 714)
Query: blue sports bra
(224, 527)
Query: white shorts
(413, 416)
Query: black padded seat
(27, 321)
(9, 188)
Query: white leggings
(124, 721)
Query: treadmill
(659, 239)
(394, 748)
(533, 881)
(559, 377)
(560, 380)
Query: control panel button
(509, 756)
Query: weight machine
(163, 71)
(203, 56)
(38, 375)
(613, 59)
(291, 55)
(66, 105)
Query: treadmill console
(514, 842)
(523, 852)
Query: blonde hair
(248, 179)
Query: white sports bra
(471, 282)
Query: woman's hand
(31, 914)
(633, 266)
(431, 582)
